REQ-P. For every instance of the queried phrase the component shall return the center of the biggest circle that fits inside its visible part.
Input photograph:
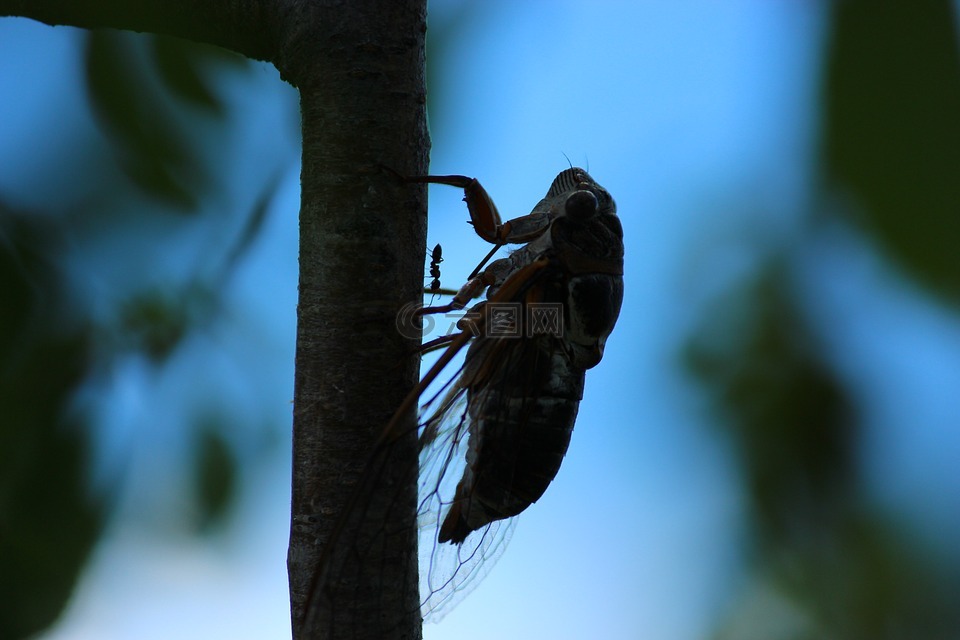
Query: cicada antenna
(585, 158)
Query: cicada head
(585, 233)
(579, 195)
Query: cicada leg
(440, 291)
(436, 343)
(484, 215)
(510, 289)
(474, 287)
(485, 218)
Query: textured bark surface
(359, 66)
(250, 27)
(361, 257)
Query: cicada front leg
(487, 223)
(483, 212)
(484, 215)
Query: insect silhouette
(494, 433)
(436, 257)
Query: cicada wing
(448, 572)
(499, 387)
(375, 522)
(361, 532)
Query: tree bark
(254, 28)
(359, 67)
(362, 246)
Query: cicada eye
(582, 205)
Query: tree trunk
(359, 67)
(361, 257)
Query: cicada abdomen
(521, 415)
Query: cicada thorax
(591, 255)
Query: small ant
(436, 257)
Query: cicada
(493, 436)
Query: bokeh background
(768, 450)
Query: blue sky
(700, 119)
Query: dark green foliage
(155, 322)
(892, 130)
(179, 65)
(844, 570)
(789, 417)
(823, 560)
(139, 87)
(216, 476)
(26, 276)
(153, 96)
(49, 520)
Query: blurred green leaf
(179, 64)
(216, 476)
(49, 523)
(876, 582)
(822, 564)
(155, 147)
(151, 96)
(24, 275)
(156, 321)
(790, 418)
(251, 231)
(892, 130)
(867, 582)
